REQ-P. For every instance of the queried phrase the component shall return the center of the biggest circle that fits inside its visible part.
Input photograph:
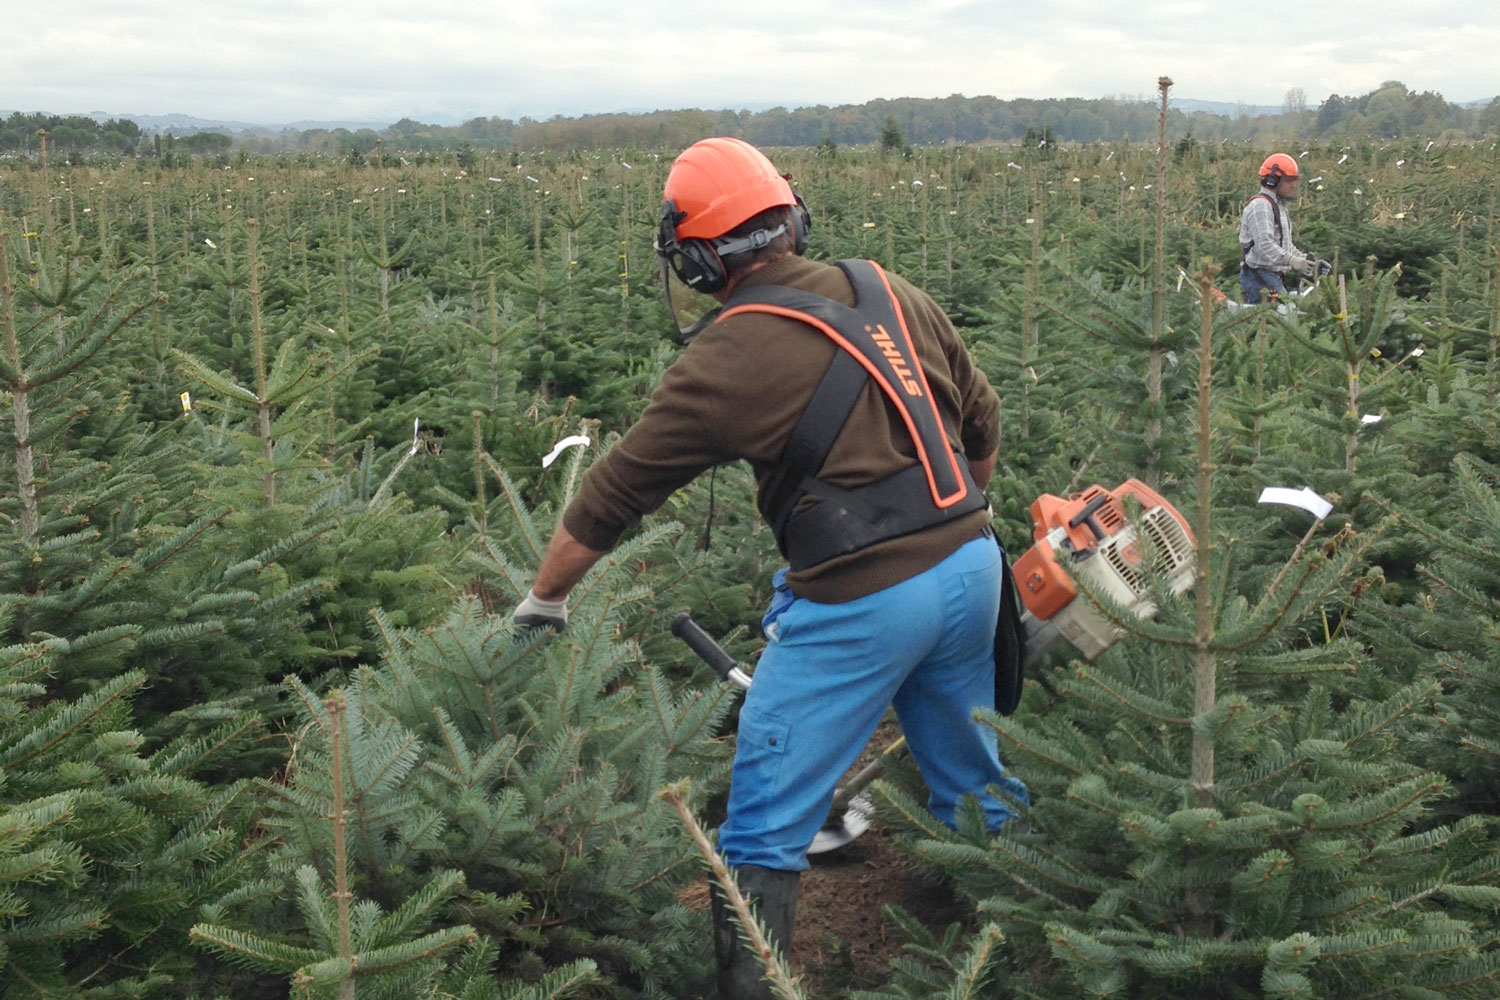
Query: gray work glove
(1325, 267)
(1306, 265)
(533, 612)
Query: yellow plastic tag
(187, 402)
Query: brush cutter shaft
(1041, 636)
(874, 769)
(710, 652)
(850, 815)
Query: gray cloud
(282, 60)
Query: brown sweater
(739, 389)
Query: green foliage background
(195, 601)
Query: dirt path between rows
(842, 940)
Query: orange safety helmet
(714, 186)
(718, 183)
(1275, 167)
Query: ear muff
(698, 262)
(694, 261)
(801, 225)
(699, 266)
(1272, 180)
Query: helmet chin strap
(687, 336)
(752, 241)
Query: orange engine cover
(1076, 525)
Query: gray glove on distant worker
(1306, 265)
(533, 612)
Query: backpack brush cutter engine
(1088, 537)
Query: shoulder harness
(874, 344)
(1245, 248)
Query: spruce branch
(785, 987)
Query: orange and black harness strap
(874, 344)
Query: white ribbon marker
(562, 446)
(1304, 498)
(415, 423)
(1371, 418)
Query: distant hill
(180, 124)
(1228, 109)
(1035, 122)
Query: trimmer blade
(846, 829)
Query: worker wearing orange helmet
(871, 434)
(1267, 253)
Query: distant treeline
(1390, 111)
(69, 134)
(72, 135)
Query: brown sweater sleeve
(675, 439)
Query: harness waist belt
(845, 521)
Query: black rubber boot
(773, 897)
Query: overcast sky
(275, 61)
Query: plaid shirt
(1258, 232)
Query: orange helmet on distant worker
(714, 186)
(1275, 167)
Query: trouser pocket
(760, 749)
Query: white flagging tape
(562, 446)
(1305, 498)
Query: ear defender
(699, 264)
(801, 225)
(694, 261)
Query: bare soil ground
(842, 940)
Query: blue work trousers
(822, 685)
(1255, 280)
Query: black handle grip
(1086, 516)
(710, 652)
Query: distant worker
(872, 435)
(1267, 253)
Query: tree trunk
(20, 393)
(1205, 660)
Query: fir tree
(1215, 808)
(528, 764)
(354, 946)
(108, 846)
